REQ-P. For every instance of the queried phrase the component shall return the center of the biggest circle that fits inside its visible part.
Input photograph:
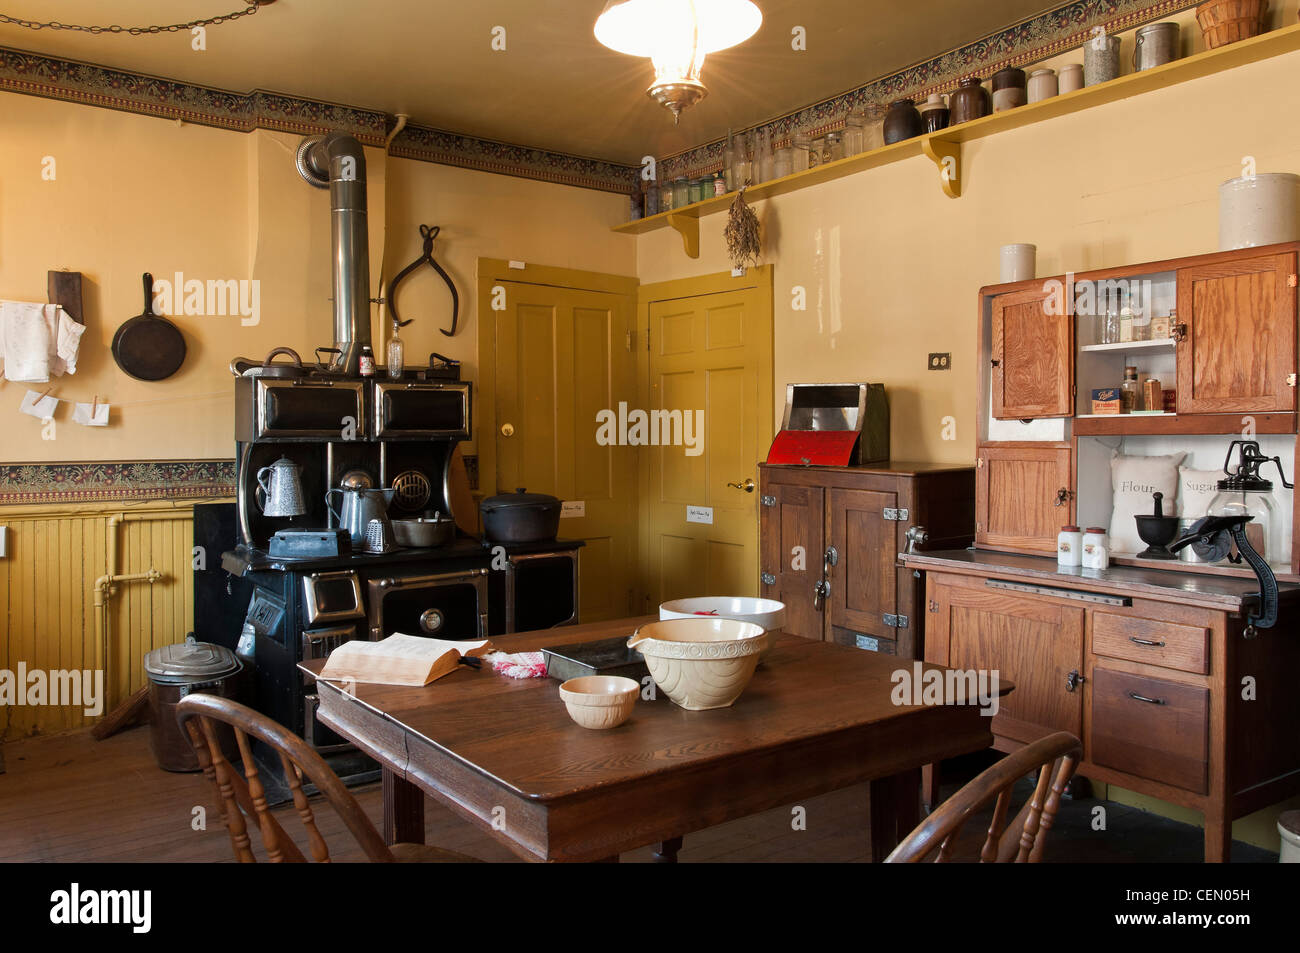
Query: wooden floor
(72, 799)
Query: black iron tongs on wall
(428, 233)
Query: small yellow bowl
(600, 701)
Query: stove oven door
(421, 411)
(449, 605)
(317, 643)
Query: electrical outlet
(4, 542)
(939, 362)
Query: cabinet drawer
(1151, 728)
(1167, 644)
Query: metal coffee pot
(280, 487)
(360, 506)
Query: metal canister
(176, 671)
(1155, 45)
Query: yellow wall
(134, 194)
(892, 266)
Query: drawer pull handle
(1142, 698)
(1135, 639)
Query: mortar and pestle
(1157, 531)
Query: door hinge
(895, 621)
(1290, 281)
(768, 500)
(647, 339)
(629, 340)
(897, 515)
(769, 579)
(1290, 380)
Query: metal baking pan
(605, 657)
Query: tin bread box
(833, 425)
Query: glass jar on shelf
(800, 147)
(873, 128)
(855, 133)
(833, 149)
(681, 192)
(783, 163)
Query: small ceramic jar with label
(1096, 548)
(1069, 547)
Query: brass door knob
(747, 486)
(507, 430)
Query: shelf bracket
(946, 155)
(689, 228)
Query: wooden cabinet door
(1032, 642)
(863, 582)
(1018, 497)
(1032, 366)
(1238, 350)
(792, 545)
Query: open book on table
(399, 659)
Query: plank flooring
(68, 798)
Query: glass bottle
(873, 130)
(766, 159)
(800, 147)
(729, 162)
(681, 192)
(666, 197)
(855, 133)
(741, 172)
(783, 164)
(834, 148)
(396, 351)
(1128, 391)
(366, 366)
(719, 184)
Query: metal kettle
(280, 487)
(361, 504)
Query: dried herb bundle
(742, 234)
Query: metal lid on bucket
(190, 661)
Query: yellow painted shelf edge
(944, 147)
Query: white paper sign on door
(699, 514)
(573, 508)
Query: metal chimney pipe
(337, 161)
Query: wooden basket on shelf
(1228, 21)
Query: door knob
(747, 486)
(507, 430)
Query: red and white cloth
(518, 664)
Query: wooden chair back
(1021, 841)
(243, 795)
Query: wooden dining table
(503, 754)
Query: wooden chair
(243, 795)
(1021, 841)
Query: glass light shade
(675, 30)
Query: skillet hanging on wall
(147, 347)
(428, 233)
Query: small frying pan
(147, 347)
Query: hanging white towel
(37, 341)
(91, 415)
(38, 406)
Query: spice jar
(800, 146)
(855, 133)
(1128, 391)
(784, 164)
(874, 130)
(1096, 548)
(681, 192)
(1153, 395)
(1069, 546)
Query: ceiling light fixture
(676, 35)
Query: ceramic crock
(970, 101)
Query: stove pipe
(336, 161)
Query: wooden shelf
(943, 148)
(1165, 424)
(1128, 345)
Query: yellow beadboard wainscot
(91, 586)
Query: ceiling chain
(249, 10)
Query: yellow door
(551, 359)
(709, 354)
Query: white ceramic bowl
(700, 662)
(768, 613)
(600, 701)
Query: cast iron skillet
(147, 347)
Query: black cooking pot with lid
(520, 517)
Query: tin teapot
(361, 504)
(280, 489)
